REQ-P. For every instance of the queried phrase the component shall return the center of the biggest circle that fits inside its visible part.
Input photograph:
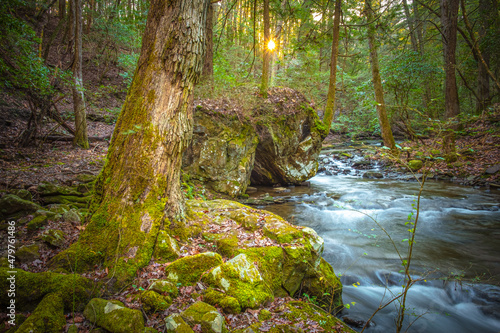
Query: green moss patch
(227, 303)
(47, 317)
(188, 270)
(114, 316)
(205, 315)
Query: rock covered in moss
(23, 194)
(51, 189)
(32, 287)
(37, 222)
(166, 248)
(113, 316)
(188, 270)
(205, 315)
(153, 301)
(265, 314)
(175, 324)
(54, 237)
(48, 316)
(280, 230)
(227, 303)
(222, 152)
(28, 253)
(11, 204)
(289, 143)
(165, 287)
(415, 165)
(72, 216)
(240, 279)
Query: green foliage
(22, 71)
(128, 62)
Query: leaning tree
(138, 191)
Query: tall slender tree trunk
(487, 11)
(81, 137)
(449, 22)
(265, 51)
(411, 26)
(138, 192)
(208, 63)
(385, 127)
(332, 87)
(62, 9)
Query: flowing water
(456, 251)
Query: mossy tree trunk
(138, 192)
(385, 126)
(266, 53)
(332, 87)
(81, 137)
(449, 22)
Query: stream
(455, 253)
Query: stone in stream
(493, 169)
(373, 174)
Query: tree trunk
(208, 64)
(266, 53)
(449, 21)
(385, 127)
(81, 138)
(411, 26)
(62, 9)
(487, 10)
(332, 87)
(138, 191)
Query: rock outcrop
(278, 142)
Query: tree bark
(332, 87)
(449, 22)
(81, 137)
(138, 192)
(208, 64)
(385, 127)
(266, 53)
(62, 9)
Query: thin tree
(332, 87)
(385, 127)
(138, 192)
(81, 137)
(266, 52)
(449, 22)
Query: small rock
(251, 189)
(205, 315)
(113, 316)
(281, 190)
(493, 169)
(23, 194)
(54, 237)
(415, 165)
(72, 217)
(373, 174)
(27, 253)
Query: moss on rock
(227, 303)
(240, 279)
(54, 237)
(188, 270)
(279, 230)
(415, 165)
(205, 315)
(175, 324)
(28, 253)
(32, 287)
(11, 204)
(114, 316)
(166, 248)
(153, 301)
(48, 316)
(165, 287)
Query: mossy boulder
(72, 216)
(48, 316)
(240, 279)
(227, 303)
(54, 237)
(175, 324)
(23, 194)
(32, 287)
(153, 301)
(265, 314)
(188, 270)
(289, 143)
(415, 165)
(221, 152)
(37, 222)
(46, 189)
(114, 316)
(166, 248)
(165, 287)
(205, 315)
(280, 230)
(28, 253)
(11, 204)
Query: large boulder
(48, 316)
(290, 139)
(222, 152)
